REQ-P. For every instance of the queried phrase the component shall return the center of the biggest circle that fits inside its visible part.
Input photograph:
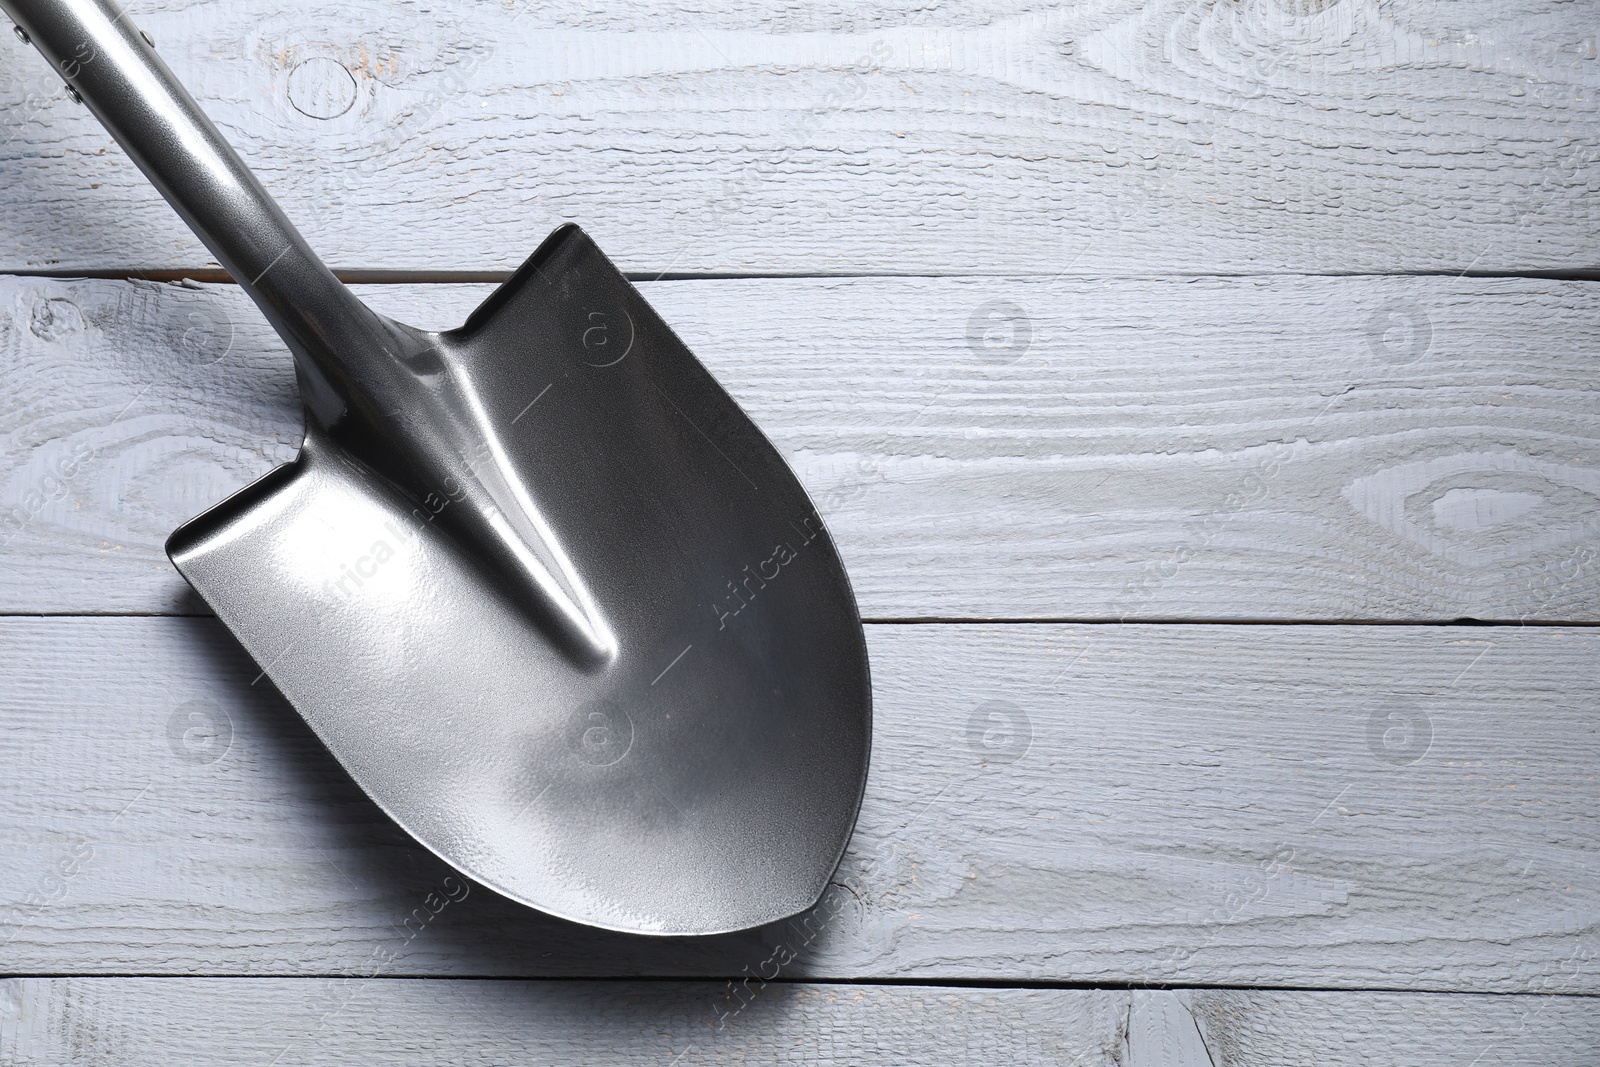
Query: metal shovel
(538, 583)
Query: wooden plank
(1285, 448)
(1255, 1027)
(1123, 136)
(250, 1022)
(89, 1021)
(1287, 806)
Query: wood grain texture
(1105, 136)
(249, 1022)
(1252, 1027)
(1060, 406)
(1305, 806)
(1286, 448)
(221, 1022)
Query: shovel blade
(695, 768)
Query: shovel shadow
(362, 872)
(636, 1021)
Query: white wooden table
(1180, 379)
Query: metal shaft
(114, 70)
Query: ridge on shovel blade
(626, 682)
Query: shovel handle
(111, 66)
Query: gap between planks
(214, 275)
(884, 981)
(954, 620)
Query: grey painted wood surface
(1125, 136)
(1290, 448)
(1301, 806)
(1060, 426)
(114, 1021)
